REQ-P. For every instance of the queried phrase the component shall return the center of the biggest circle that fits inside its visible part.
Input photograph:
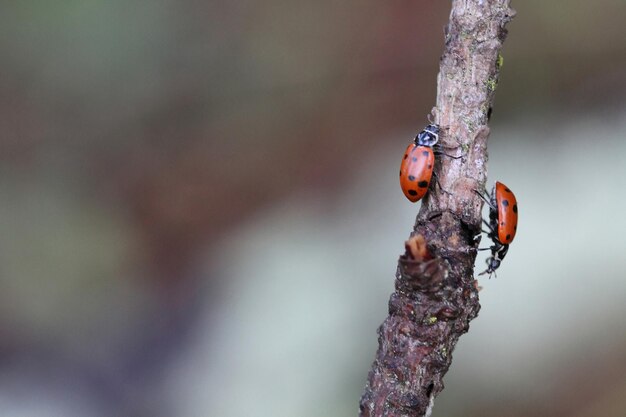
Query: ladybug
(502, 224)
(416, 169)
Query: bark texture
(436, 296)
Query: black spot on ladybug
(507, 190)
(515, 228)
(505, 203)
(430, 166)
(501, 223)
(425, 153)
(508, 237)
(414, 159)
(422, 184)
(400, 172)
(406, 155)
(412, 192)
(411, 178)
(515, 208)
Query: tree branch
(436, 296)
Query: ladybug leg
(451, 156)
(489, 228)
(483, 196)
(438, 150)
(439, 184)
(458, 143)
(486, 271)
(486, 200)
(492, 248)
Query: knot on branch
(419, 270)
(422, 277)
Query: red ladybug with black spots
(502, 224)
(416, 169)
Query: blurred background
(200, 212)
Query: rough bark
(436, 296)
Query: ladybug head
(493, 264)
(498, 252)
(429, 136)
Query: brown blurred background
(200, 215)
